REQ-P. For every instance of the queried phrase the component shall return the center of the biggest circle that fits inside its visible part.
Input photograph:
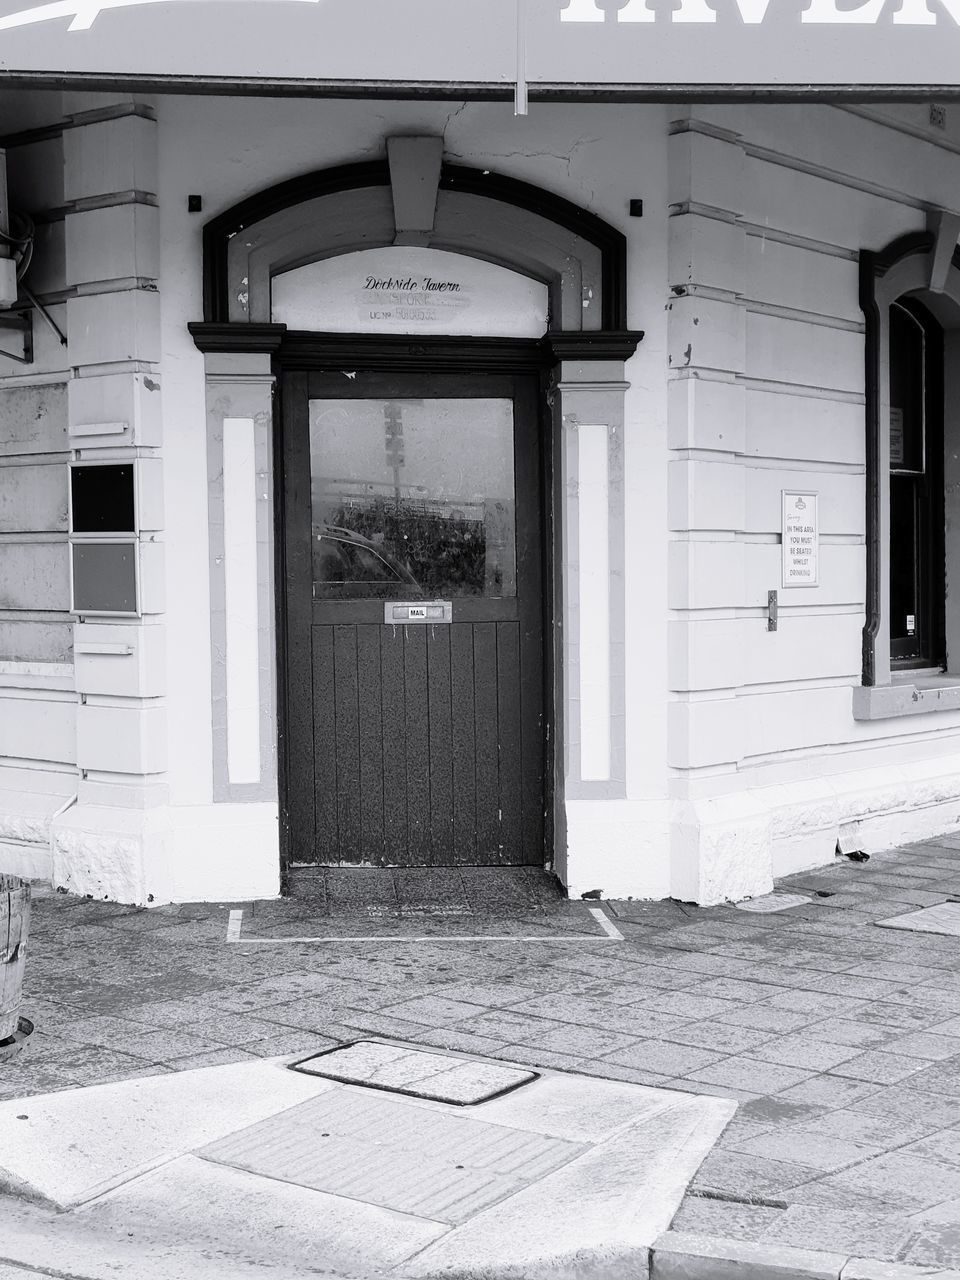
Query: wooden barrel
(14, 923)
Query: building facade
(405, 481)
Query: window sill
(911, 693)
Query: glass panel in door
(412, 498)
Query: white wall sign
(405, 289)
(800, 534)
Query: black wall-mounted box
(103, 498)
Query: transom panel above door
(413, 551)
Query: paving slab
(704, 1216)
(770, 902)
(66, 1246)
(805, 1148)
(70, 1146)
(848, 1230)
(942, 917)
(907, 1181)
(933, 1244)
(236, 1216)
(625, 1192)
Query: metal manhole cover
(396, 1154)
(942, 918)
(769, 902)
(436, 1077)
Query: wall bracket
(773, 611)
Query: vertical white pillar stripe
(593, 520)
(240, 592)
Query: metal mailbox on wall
(104, 543)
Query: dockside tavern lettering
(416, 300)
(405, 286)
(410, 289)
(800, 535)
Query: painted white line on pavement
(610, 934)
(432, 937)
(606, 924)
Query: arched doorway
(419, 319)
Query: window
(910, 295)
(916, 552)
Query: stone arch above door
(412, 198)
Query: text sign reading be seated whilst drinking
(800, 534)
(407, 289)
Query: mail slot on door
(400, 612)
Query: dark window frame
(927, 647)
(901, 271)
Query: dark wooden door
(413, 743)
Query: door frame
(483, 214)
(303, 352)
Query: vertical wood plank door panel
(370, 725)
(421, 743)
(489, 845)
(509, 694)
(345, 745)
(440, 713)
(325, 791)
(417, 742)
(392, 694)
(463, 747)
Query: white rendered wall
(190, 770)
(38, 736)
(761, 360)
(742, 756)
(771, 206)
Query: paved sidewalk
(445, 1167)
(840, 1040)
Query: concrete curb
(681, 1255)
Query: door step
(437, 890)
